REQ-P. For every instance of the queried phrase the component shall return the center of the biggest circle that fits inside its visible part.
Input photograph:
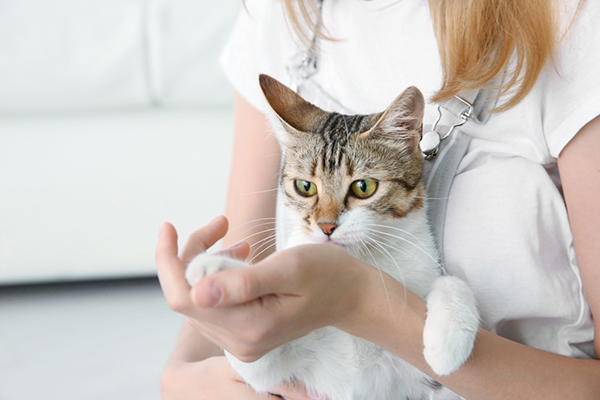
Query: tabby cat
(355, 181)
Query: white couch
(114, 116)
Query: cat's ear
(297, 115)
(403, 119)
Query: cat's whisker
(261, 191)
(391, 258)
(376, 265)
(436, 266)
(393, 246)
(381, 243)
(424, 251)
(258, 233)
(272, 235)
(273, 230)
(397, 229)
(432, 198)
(258, 243)
(400, 238)
(262, 251)
(269, 219)
(268, 241)
(265, 246)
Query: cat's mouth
(327, 240)
(335, 243)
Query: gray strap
(438, 175)
(439, 169)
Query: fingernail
(161, 230)
(214, 295)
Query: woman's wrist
(384, 312)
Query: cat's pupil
(362, 185)
(306, 186)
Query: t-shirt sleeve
(570, 90)
(260, 43)
(239, 60)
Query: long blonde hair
(477, 40)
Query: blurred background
(114, 116)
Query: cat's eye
(305, 188)
(363, 188)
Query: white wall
(114, 116)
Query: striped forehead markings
(336, 131)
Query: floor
(104, 340)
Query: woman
(507, 232)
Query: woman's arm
(579, 166)
(253, 180)
(251, 209)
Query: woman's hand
(214, 379)
(253, 310)
(249, 318)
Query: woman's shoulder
(567, 90)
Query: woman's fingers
(171, 271)
(273, 275)
(239, 251)
(171, 267)
(202, 239)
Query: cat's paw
(207, 264)
(451, 325)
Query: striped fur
(335, 150)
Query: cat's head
(344, 174)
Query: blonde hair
(477, 40)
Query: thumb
(238, 286)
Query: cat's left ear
(297, 115)
(403, 119)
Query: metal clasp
(431, 141)
(464, 115)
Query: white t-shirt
(507, 231)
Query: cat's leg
(451, 325)
(385, 376)
(207, 264)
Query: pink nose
(327, 228)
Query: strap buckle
(430, 143)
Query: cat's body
(355, 181)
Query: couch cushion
(75, 55)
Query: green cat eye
(363, 188)
(305, 188)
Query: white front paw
(207, 264)
(451, 325)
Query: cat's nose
(326, 227)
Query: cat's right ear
(297, 115)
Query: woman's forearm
(498, 368)
(253, 181)
(192, 346)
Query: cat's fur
(388, 230)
